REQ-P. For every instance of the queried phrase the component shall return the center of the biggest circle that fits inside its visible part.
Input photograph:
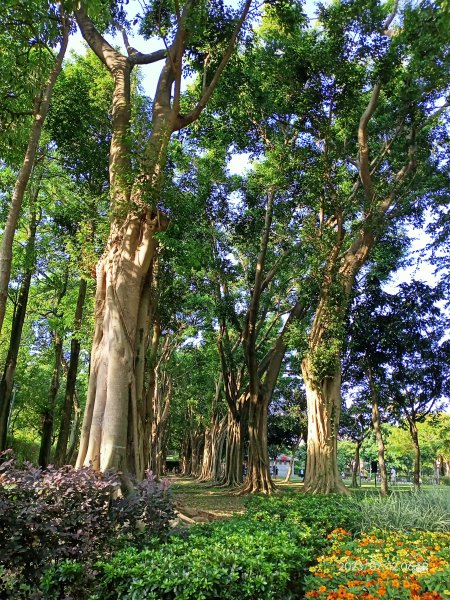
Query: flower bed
(381, 564)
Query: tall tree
(109, 439)
(34, 28)
(20, 308)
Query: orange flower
(381, 591)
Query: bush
(400, 565)
(324, 513)
(263, 554)
(47, 517)
(404, 511)
(230, 559)
(445, 480)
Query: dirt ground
(201, 501)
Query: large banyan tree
(116, 419)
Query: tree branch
(364, 165)
(134, 56)
(105, 52)
(184, 120)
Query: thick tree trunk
(356, 464)
(213, 450)
(376, 423)
(48, 413)
(40, 113)
(63, 437)
(110, 432)
(197, 440)
(234, 453)
(323, 405)
(415, 440)
(258, 478)
(7, 381)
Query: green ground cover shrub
(263, 554)
(324, 513)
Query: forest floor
(204, 502)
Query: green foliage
(445, 480)
(233, 559)
(321, 513)
(47, 517)
(405, 511)
(263, 554)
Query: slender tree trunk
(292, 461)
(441, 466)
(356, 464)
(160, 415)
(7, 381)
(74, 432)
(40, 113)
(323, 405)
(289, 473)
(61, 446)
(186, 453)
(415, 440)
(376, 424)
(49, 412)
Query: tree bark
(42, 104)
(234, 451)
(64, 429)
(7, 381)
(258, 478)
(376, 423)
(415, 440)
(74, 432)
(323, 404)
(48, 413)
(215, 436)
(186, 453)
(356, 464)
